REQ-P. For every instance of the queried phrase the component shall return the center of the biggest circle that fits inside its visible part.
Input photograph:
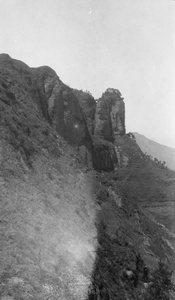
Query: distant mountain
(161, 152)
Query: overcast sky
(96, 44)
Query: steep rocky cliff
(72, 114)
(110, 115)
(70, 230)
(88, 105)
(55, 101)
(109, 125)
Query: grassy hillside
(47, 226)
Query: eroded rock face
(109, 124)
(104, 156)
(110, 115)
(88, 105)
(61, 107)
(54, 100)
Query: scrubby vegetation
(121, 273)
(156, 161)
(160, 285)
(131, 135)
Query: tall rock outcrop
(109, 124)
(110, 115)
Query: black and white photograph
(87, 149)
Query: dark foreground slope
(67, 230)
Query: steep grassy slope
(47, 226)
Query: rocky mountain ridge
(81, 205)
(73, 114)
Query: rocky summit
(85, 214)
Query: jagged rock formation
(72, 113)
(56, 101)
(63, 109)
(110, 115)
(109, 124)
(88, 105)
(64, 225)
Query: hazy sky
(96, 44)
